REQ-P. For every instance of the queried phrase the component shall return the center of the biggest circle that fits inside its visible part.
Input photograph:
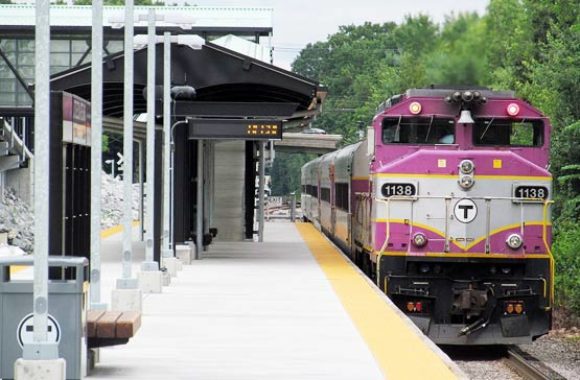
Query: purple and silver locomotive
(446, 206)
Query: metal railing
(16, 134)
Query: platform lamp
(170, 94)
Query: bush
(566, 253)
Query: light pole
(150, 278)
(96, 151)
(127, 295)
(41, 348)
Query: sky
(299, 22)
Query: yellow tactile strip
(399, 348)
(104, 234)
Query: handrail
(545, 240)
(23, 149)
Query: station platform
(292, 307)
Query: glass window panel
(25, 59)
(60, 59)
(7, 85)
(60, 46)
(24, 99)
(7, 99)
(506, 132)
(114, 46)
(11, 55)
(58, 69)
(418, 130)
(26, 45)
(5, 71)
(79, 46)
(75, 58)
(27, 72)
(7, 45)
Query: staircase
(14, 154)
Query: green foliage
(105, 145)
(284, 165)
(567, 258)
(530, 46)
(118, 2)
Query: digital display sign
(253, 129)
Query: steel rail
(528, 366)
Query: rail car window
(311, 190)
(418, 130)
(341, 195)
(325, 194)
(502, 132)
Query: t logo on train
(446, 207)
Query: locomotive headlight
(514, 241)
(419, 239)
(466, 182)
(415, 108)
(466, 166)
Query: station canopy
(227, 84)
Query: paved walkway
(249, 311)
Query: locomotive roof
(442, 93)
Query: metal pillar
(40, 348)
(149, 263)
(141, 175)
(127, 281)
(167, 250)
(261, 192)
(206, 180)
(96, 152)
(199, 202)
(293, 207)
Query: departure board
(239, 129)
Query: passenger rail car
(446, 206)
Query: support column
(96, 152)
(150, 277)
(199, 202)
(127, 295)
(41, 356)
(261, 183)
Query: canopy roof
(227, 84)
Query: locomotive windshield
(418, 130)
(502, 132)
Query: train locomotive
(446, 207)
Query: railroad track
(529, 367)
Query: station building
(229, 85)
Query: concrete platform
(268, 311)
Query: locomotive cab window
(418, 130)
(502, 132)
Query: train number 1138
(531, 192)
(398, 189)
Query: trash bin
(67, 302)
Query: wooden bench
(111, 328)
